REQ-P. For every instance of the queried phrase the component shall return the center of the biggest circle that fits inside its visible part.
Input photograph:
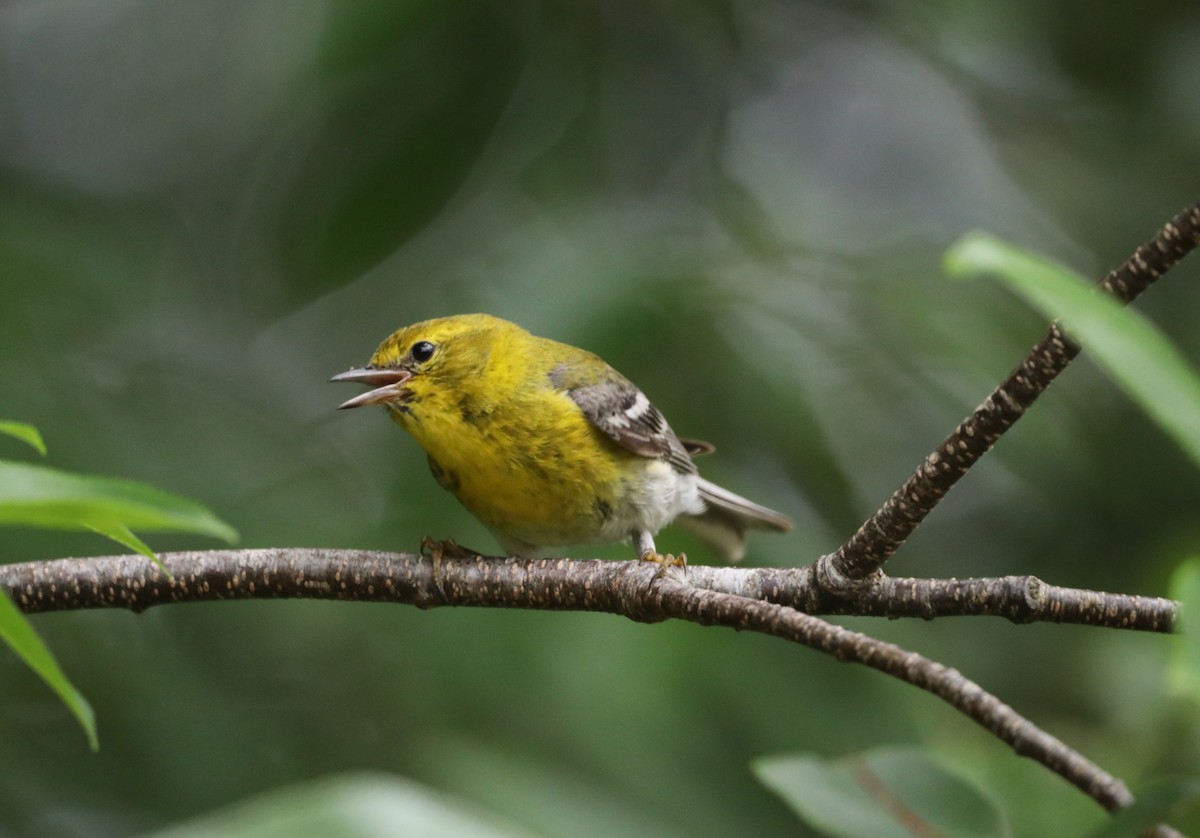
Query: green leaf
(881, 793)
(1183, 674)
(123, 536)
(22, 639)
(39, 496)
(349, 807)
(1127, 346)
(26, 433)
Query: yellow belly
(547, 483)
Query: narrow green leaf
(22, 639)
(24, 432)
(881, 793)
(39, 496)
(124, 537)
(1183, 674)
(1127, 346)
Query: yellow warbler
(546, 444)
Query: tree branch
(638, 590)
(131, 582)
(882, 534)
(1021, 599)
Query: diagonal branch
(883, 533)
(679, 599)
(638, 590)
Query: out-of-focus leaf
(882, 793)
(24, 432)
(354, 806)
(1175, 802)
(1127, 346)
(22, 639)
(44, 497)
(1183, 675)
(348, 211)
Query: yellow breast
(533, 468)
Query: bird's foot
(445, 549)
(438, 551)
(665, 559)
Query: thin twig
(882, 534)
(1020, 599)
(637, 590)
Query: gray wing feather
(623, 413)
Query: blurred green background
(208, 208)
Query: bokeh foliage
(207, 208)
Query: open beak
(388, 383)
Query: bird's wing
(617, 408)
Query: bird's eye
(422, 351)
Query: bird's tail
(724, 522)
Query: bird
(546, 444)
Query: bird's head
(427, 358)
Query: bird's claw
(438, 551)
(665, 559)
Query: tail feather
(727, 517)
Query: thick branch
(637, 590)
(883, 533)
(132, 582)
